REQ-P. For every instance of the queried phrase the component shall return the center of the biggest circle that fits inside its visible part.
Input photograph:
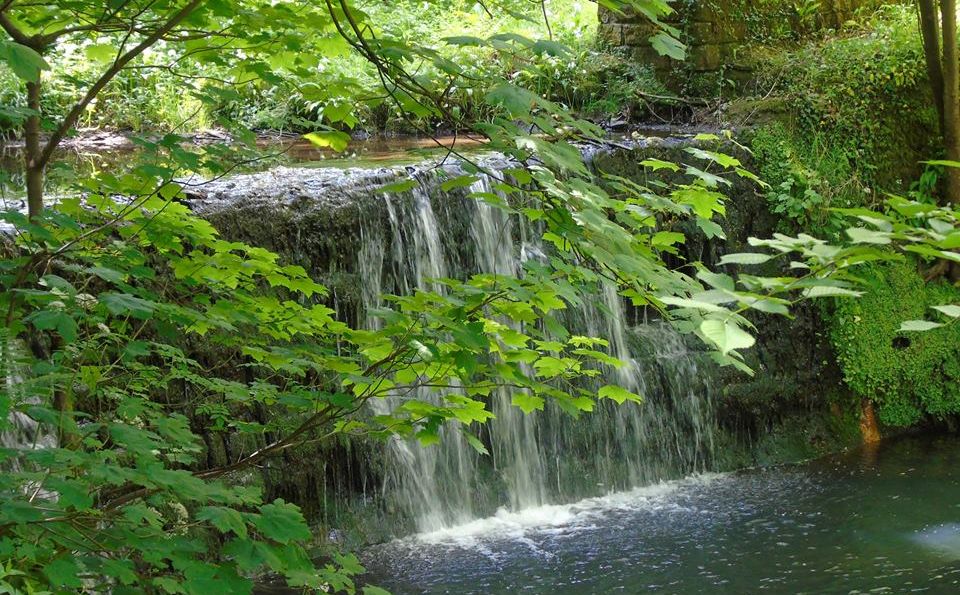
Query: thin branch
(546, 19)
(16, 34)
(71, 118)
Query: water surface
(884, 520)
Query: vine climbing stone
(714, 30)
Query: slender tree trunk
(930, 31)
(869, 428)
(951, 96)
(33, 163)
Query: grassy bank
(840, 122)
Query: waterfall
(513, 434)
(545, 456)
(21, 431)
(365, 241)
(418, 476)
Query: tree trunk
(32, 160)
(951, 96)
(930, 31)
(869, 429)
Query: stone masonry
(715, 29)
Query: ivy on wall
(908, 375)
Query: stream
(625, 500)
(881, 520)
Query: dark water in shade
(885, 520)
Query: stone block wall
(715, 29)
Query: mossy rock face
(756, 111)
(318, 220)
(909, 375)
(796, 372)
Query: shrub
(908, 375)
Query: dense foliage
(859, 119)
(131, 328)
(340, 88)
(909, 375)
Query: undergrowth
(343, 89)
(908, 375)
(860, 120)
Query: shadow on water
(868, 521)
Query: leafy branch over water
(132, 329)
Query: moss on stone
(909, 375)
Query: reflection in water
(845, 524)
(78, 161)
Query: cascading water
(545, 456)
(22, 431)
(419, 474)
(348, 231)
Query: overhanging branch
(71, 118)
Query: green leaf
(549, 367)
(58, 320)
(103, 52)
(458, 182)
(551, 48)
(768, 305)
(471, 336)
(918, 326)
(19, 511)
(516, 100)
(399, 186)
(726, 335)
(667, 238)
(618, 394)
(528, 403)
(125, 304)
(704, 202)
(23, 61)
(745, 258)
(464, 40)
(72, 494)
(667, 45)
(334, 139)
(862, 235)
(710, 228)
(721, 159)
(658, 164)
(950, 310)
(690, 303)
(475, 442)
(942, 162)
(281, 522)
(62, 572)
(830, 291)
(224, 519)
(717, 280)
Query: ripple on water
(848, 524)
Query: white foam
(942, 539)
(518, 525)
